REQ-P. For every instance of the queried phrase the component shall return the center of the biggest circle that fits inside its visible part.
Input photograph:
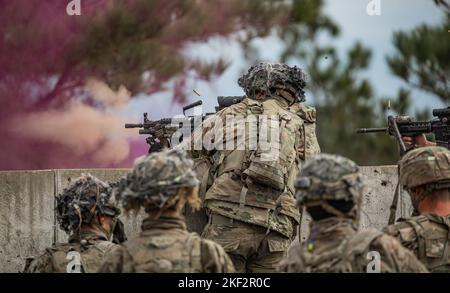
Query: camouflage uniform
(164, 245)
(92, 249)
(79, 204)
(250, 202)
(427, 235)
(331, 187)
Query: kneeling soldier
(331, 188)
(162, 183)
(425, 173)
(85, 212)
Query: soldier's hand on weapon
(419, 141)
(160, 134)
(159, 131)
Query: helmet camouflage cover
(155, 179)
(85, 198)
(329, 177)
(425, 166)
(268, 77)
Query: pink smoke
(53, 114)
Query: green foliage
(423, 60)
(345, 103)
(120, 42)
(345, 100)
(306, 22)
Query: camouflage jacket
(258, 203)
(165, 246)
(428, 236)
(335, 246)
(87, 251)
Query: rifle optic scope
(441, 112)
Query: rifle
(169, 126)
(404, 126)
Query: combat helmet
(268, 77)
(155, 181)
(428, 167)
(330, 178)
(86, 198)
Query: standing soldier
(85, 212)
(162, 183)
(425, 174)
(331, 189)
(249, 194)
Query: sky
(374, 32)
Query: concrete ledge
(26, 216)
(27, 220)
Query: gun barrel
(369, 130)
(193, 105)
(146, 131)
(131, 125)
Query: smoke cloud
(101, 92)
(84, 130)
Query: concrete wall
(26, 216)
(27, 220)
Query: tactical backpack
(269, 167)
(264, 184)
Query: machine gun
(404, 126)
(160, 131)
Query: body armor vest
(432, 239)
(174, 251)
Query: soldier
(162, 183)
(331, 188)
(85, 212)
(425, 174)
(249, 195)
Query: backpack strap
(445, 260)
(416, 225)
(194, 250)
